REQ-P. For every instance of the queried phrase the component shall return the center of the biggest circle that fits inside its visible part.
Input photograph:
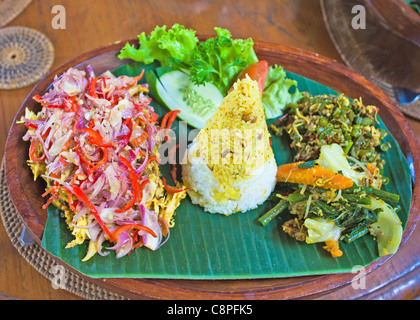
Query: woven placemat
(26, 55)
(10, 9)
(41, 260)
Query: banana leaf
(206, 246)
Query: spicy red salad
(95, 143)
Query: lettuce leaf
(178, 43)
(278, 92)
(219, 60)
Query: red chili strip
(165, 120)
(50, 200)
(133, 177)
(172, 118)
(32, 151)
(170, 189)
(138, 78)
(29, 125)
(133, 226)
(142, 185)
(139, 140)
(80, 194)
(125, 138)
(96, 138)
(102, 162)
(70, 104)
(92, 87)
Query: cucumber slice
(196, 103)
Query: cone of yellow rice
(230, 166)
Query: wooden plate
(398, 16)
(371, 52)
(26, 195)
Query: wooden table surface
(96, 23)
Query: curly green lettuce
(279, 92)
(177, 43)
(217, 60)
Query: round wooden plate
(398, 16)
(370, 52)
(26, 195)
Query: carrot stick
(315, 176)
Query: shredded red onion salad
(95, 142)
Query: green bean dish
(333, 190)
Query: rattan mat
(10, 9)
(40, 259)
(26, 55)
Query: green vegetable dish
(334, 190)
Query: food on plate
(95, 143)
(313, 175)
(230, 166)
(279, 92)
(189, 71)
(197, 102)
(333, 191)
(326, 119)
(217, 60)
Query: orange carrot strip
(372, 169)
(316, 176)
(333, 248)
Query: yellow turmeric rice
(230, 166)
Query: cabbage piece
(321, 230)
(388, 230)
(150, 219)
(71, 83)
(332, 157)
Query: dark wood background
(96, 23)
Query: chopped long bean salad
(334, 187)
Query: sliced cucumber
(196, 103)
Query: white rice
(253, 191)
